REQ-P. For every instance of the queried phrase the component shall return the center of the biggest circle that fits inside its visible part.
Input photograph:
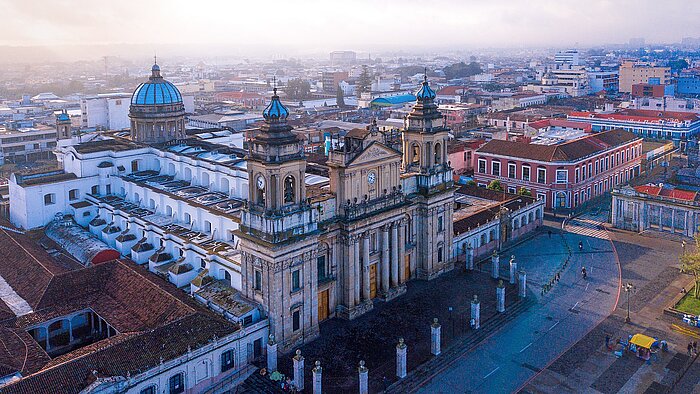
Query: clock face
(261, 182)
(371, 178)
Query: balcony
(361, 209)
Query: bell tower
(425, 138)
(63, 126)
(278, 231)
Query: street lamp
(628, 289)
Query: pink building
(461, 155)
(563, 175)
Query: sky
(363, 25)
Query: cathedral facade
(309, 253)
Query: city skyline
(292, 28)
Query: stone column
(365, 268)
(385, 258)
(316, 372)
(435, 337)
(350, 276)
(513, 269)
(401, 359)
(402, 252)
(364, 375)
(495, 260)
(500, 297)
(271, 354)
(522, 284)
(357, 268)
(470, 257)
(298, 370)
(395, 255)
(476, 312)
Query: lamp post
(628, 289)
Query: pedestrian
(550, 233)
(690, 349)
(386, 383)
(607, 341)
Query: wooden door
(372, 281)
(407, 267)
(323, 305)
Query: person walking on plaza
(584, 273)
(607, 341)
(690, 349)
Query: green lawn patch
(689, 304)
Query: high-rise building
(343, 57)
(632, 73)
(570, 56)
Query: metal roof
(156, 91)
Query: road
(518, 351)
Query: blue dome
(63, 116)
(156, 91)
(425, 92)
(275, 111)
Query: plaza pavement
(526, 345)
(650, 262)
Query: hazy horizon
(295, 28)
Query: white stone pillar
(435, 337)
(298, 370)
(500, 297)
(385, 258)
(364, 377)
(513, 269)
(350, 277)
(476, 312)
(522, 284)
(495, 259)
(365, 268)
(401, 359)
(271, 354)
(317, 372)
(395, 255)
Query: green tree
(690, 264)
(495, 185)
(462, 70)
(525, 192)
(298, 89)
(364, 83)
(339, 97)
(679, 64)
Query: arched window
(289, 195)
(438, 153)
(227, 276)
(415, 154)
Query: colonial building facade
(662, 208)
(384, 218)
(564, 175)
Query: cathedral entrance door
(407, 267)
(372, 281)
(323, 305)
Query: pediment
(376, 152)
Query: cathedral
(266, 234)
(310, 252)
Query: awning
(642, 341)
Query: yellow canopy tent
(642, 340)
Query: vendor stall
(642, 344)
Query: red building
(461, 155)
(566, 174)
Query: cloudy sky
(347, 24)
